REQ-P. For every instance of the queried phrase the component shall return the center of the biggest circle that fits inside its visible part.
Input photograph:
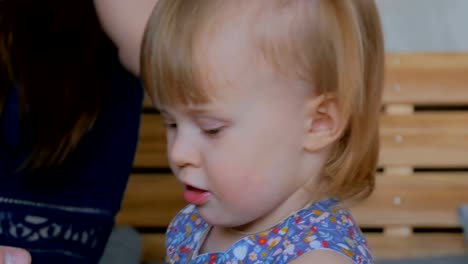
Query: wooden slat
(421, 140)
(399, 109)
(425, 139)
(414, 246)
(427, 79)
(151, 151)
(151, 201)
(419, 200)
(417, 245)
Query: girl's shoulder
(326, 225)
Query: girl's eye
(212, 132)
(170, 125)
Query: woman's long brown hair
(50, 50)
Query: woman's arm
(124, 21)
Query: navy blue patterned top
(324, 225)
(69, 219)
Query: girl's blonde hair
(334, 45)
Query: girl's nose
(183, 151)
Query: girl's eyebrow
(200, 109)
(192, 110)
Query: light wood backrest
(424, 145)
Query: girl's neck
(220, 239)
(296, 202)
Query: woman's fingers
(11, 255)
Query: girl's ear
(323, 124)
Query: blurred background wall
(425, 25)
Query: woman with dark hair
(69, 118)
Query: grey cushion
(463, 218)
(124, 247)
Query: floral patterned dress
(323, 225)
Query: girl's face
(240, 157)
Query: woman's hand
(10, 255)
(124, 22)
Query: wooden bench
(423, 175)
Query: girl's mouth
(196, 196)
